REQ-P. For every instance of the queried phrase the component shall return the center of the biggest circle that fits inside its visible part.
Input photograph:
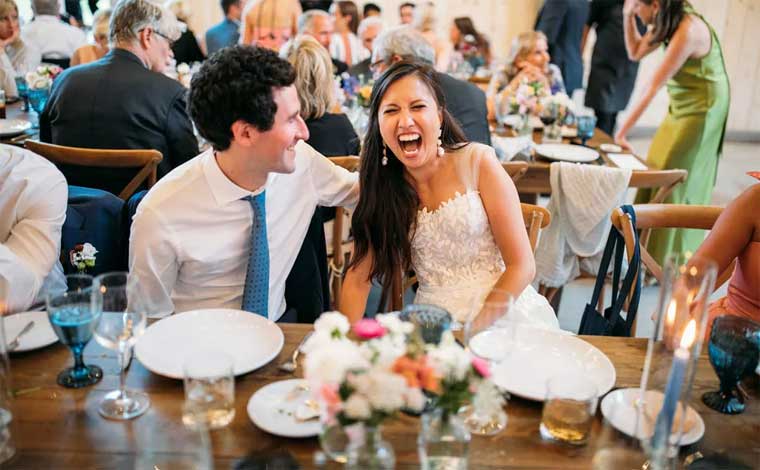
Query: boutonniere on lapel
(82, 257)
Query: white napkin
(626, 160)
(508, 147)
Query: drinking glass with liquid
(569, 409)
(209, 390)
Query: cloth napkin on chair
(583, 197)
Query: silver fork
(292, 364)
(15, 343)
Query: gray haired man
(319, 24)
(465, 101)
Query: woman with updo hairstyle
(470, 43)
(691, 136)
(92, 52)
(16, 56)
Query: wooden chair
(339, 257)
(536, 218)
(515, 170)
(144, 161)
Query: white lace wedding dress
(456, 259)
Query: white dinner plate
(567, 152)
(537, 355)
(515, 120)
(39, 336)
(13, 127)
(250, 339)
(273, 408)
(619, 407)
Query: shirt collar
(224, 190)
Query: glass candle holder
(671, 360)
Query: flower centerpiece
(525, 101)
(42, 77)
(82, 257)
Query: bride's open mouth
(410, 144)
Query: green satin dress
(690, 138)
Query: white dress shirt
(52, 37)
(338, 49)
(191, 235)
(33, 198)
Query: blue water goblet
(586, 125)
(73, 319)
(22, 88)
(37, 100)
(734, 348)
(429, 320)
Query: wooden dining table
(60, 428)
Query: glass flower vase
(443, 442)
(525, 126)
(368, 450)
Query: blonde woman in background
(16, 56)
(529, 61)
(93, 52)
(270, 23)
(425, 22)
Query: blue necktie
(256, 290)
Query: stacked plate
(567, 153)
(13, 127)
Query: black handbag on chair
(611, 323)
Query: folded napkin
(583, 197)
(626, 160)
(508, 147)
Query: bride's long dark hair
(384, 220)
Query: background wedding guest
(406, 12)
(691, 136)
(562, 21)
(371, 9)
(369, 29)
(224, 229)
(270, 23)
(185, 48)
(16, 56)
(465, 101)
(123, 101)
(33, 197)
(425, 22)
(529, 62)
(468, 42)
(345, 45)
(92, 52)
(226, 33)
(613, 74)
(319, 25)
(55, 39)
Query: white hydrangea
(384, 390)
(332, 322)
(329, 362)
(394, 326)
(449, 359)
(415, 399)
(357, 407)
(383, 352)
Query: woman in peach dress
(736, 235)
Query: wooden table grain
(60, 428)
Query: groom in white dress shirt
(192, 235)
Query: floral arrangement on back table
(42, 77)
(388, 370)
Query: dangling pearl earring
(440, 143)
(384, 161)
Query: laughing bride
(434, 203)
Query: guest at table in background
(16, 56)
(92, 52)
(224, 229)
(371, 9)
(33, 198)
(186, 49)
(369, 29)
(55, 39)
(123, 101)
(613, 74)
(270, 23)
(529, 62)
(736, 236)
(406, 12)
(691, 136)
(469, 43)
(425, 21)
(465, 101)
(226, 33)
(345, 45)
(562, 21)
(319, 25)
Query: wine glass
(22, 88)
(73, 318)
(734, 348)
(586, 124)
(489, 334)
(122, 321)
(37, 99)
(549, 116)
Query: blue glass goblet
(22, 88)
(38, 99)
(586, 125)
(734, 349)
(429, 320)
(74, 320)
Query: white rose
(40, 83)
(357, 407)
(332, 322)
(330, 362)
(88, 251)
(183, 69)
(415, 399)
(394, 325)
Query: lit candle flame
(670, 316)
(689, 334)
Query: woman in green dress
(691, 136)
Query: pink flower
(329, 393)
(368, 329)
(481, 367)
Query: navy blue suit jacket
(562, 21)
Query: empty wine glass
(73, 318)
(122, 321)
(734, 348)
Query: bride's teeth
(408, 138)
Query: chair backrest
(662, 180)
(536, 218)
(338, 261)
(144, 161)
(515, 170)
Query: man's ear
(145, 35)
(396, 58)
(244, 133)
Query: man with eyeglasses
(123, 101)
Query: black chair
(62, 63)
